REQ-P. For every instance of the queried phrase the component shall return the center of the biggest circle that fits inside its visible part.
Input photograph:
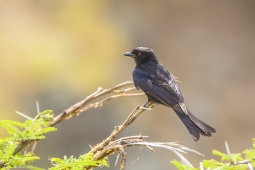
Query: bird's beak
(129, 54)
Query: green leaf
(224, 157)
(45, 130)
(10, 127)
(253, 144)
(236, 157)
(46, 116)
(85, 160)
(14, 123)
(211, 164)
(45, 112)
(180, 166)
(10, 147)
(4, 140)
(249, 154)
(231, 157)
(28, 123)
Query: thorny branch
(120, 90)
(110, 145)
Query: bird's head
(141, 55)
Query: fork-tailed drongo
(160, 87)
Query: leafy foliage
(181, 166)
(35, 129)
(233, 161)
(230, 158)
(82, 162)
(29, 130)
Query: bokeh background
(58, 52)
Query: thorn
(37, 107)
(23, 115)
(201, 166)
(117, 159)
(150, 148)
(250, 166)
(227, 148)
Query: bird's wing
(165, 85)
(165, 92)
(141, 81)
(169, 95)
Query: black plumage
(160, 87)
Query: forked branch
(120, 90)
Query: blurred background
(58, 52)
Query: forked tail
(195, 126)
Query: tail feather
(195, 126)
(206, 128)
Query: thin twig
(139, 154)
(123, 159)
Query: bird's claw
(145, 108)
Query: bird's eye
(139, 54)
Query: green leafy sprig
(230, 161)
(31, 129)
(81, 163)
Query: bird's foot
(145, 107)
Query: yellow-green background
(58, 52)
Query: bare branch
(84, 105)
(119, 146)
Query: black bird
(160, 87)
